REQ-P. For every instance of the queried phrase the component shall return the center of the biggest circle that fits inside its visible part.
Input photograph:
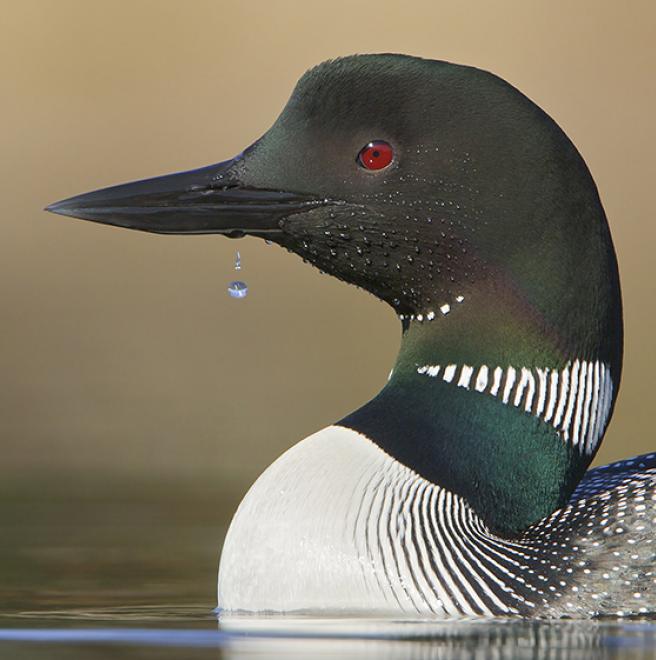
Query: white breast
(336, 526)
(296, 541)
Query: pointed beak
(209, 200)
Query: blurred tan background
(122, 357)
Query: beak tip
(56, 207)
(66, 208)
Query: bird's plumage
(461, 488)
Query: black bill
(209, 200)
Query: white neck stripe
(575, 400)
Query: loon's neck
(491, 401)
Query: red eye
(376, 155)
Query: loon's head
(448, 194)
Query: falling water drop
(237, 289)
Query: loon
(462, 488)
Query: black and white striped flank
(431, 551)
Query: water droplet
(237, 289)
(237, 261)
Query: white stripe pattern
(575, 400)
(430, 550)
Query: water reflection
(453, 640)
(76, 634)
